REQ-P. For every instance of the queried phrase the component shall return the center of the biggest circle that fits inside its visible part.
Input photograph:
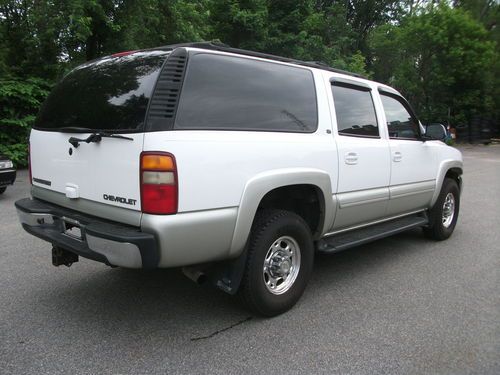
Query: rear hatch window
(110, 94)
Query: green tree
(442, 57)
(241, 24)
(306, 29)
(19, 102)
(441, 60)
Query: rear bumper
(103, 241)
(7, 177)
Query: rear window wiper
(75, 129)
(96, 138)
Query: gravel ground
(402, 305)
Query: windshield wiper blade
(96, 138)
(113, 135)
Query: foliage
(19, 102)
(443, 57)
(441, 60)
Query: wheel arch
(455, 173)
(266, 187)
(448, 169)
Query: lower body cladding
(162, 241)
(110, 243)
(192, 237)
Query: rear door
(363, 154)
(109, 96)
(105, 172)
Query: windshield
(111, 94)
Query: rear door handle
(397, 156)
(351, 158)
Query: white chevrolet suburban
(234, 165)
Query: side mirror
(435, 132)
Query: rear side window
(232, 93)
(355, 112)
(109, 94)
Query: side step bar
(356, 237)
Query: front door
(413, 161)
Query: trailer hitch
(62, 257)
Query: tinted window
(355, 112)
(400, 122)
(233, 93)
(109, 94)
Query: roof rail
(218, 46)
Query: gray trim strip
(361, 197)
(405, 190)
(43, 182)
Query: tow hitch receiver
(63, 257)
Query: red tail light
(29, 162)
(158, 183)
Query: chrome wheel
(448, 210)
(281, 265)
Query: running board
(356, 237)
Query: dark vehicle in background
(479, 130)
(7, 173)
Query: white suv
(235, 165)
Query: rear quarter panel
(214, 166)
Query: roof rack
(217, 46)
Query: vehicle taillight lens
(158, 183)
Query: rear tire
(2, 189)
(279, 263)
(443, 215)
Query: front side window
(400, 122)
(355, 112)
(234, 93)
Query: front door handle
(351, 158)
(397, 156)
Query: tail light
(158, 183)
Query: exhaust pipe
(195, 274)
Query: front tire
(279, 263)
(443, 215)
